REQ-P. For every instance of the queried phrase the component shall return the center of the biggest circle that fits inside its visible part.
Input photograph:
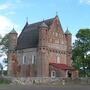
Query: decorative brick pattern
(53, 44)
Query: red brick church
(42, 49)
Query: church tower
(68, 36)
(12, 45)
(43, 65)
(43, 34)
(12, 39)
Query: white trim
(66, 73)
(53, 74)
(33, 59)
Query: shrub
(4, 80)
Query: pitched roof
(60, 66)
(13, 31)
(30, 35)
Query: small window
(33, 59)
(53, 74)
(24, 60)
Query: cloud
(85, 1)
(5, 6)
(6, 25)
(12, 5)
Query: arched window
(24, 60)
(53, 74)
(33, 59)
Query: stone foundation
(49, 81)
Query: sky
(74, 14)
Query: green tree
(3, 50)
(4, 43)
(80, 49)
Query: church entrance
(69, 73)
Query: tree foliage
(81, 47)
(4, 43)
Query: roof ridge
(41, 21)
(31, 32)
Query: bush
(4, 80)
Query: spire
(13, 31)
(56, 13)
(67, 32)
(26, 21)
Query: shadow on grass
(4, 80)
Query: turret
(11, 50)
(43, 34)
(42, 70)
(68, 37)
(12, 39)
